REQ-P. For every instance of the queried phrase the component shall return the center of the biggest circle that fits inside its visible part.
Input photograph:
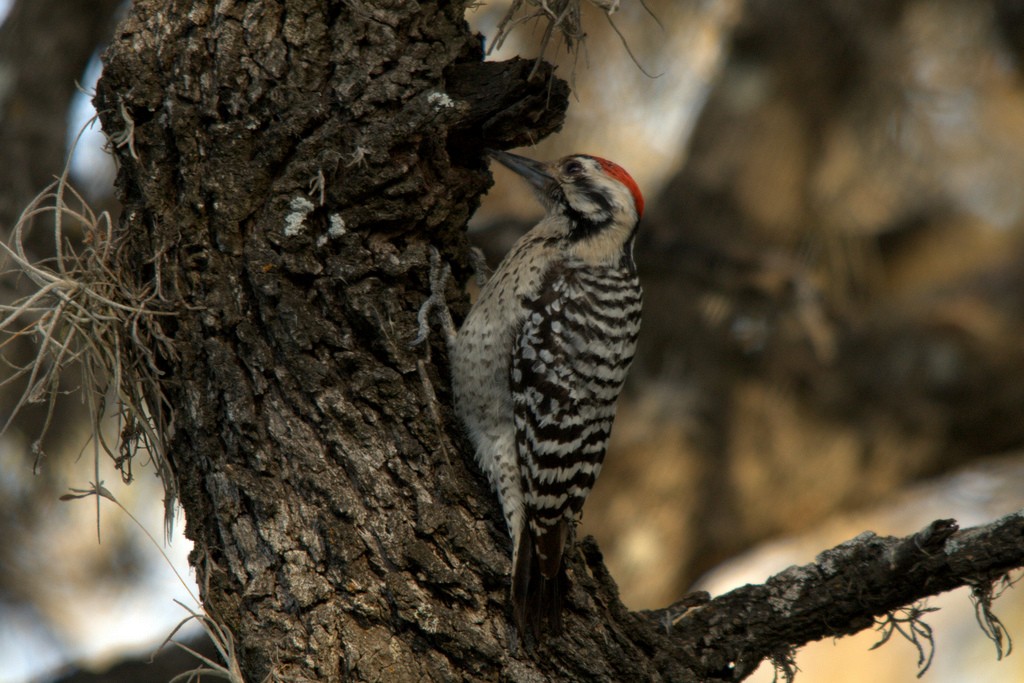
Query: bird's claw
(439, 274)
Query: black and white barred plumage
(539, 362)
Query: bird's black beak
(535, 172)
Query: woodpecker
(540, 359)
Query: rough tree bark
(283, 168)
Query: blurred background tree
(832, 264)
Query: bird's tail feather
(537, 600)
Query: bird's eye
(573, 167)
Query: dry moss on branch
(88, 320)
(562, 21)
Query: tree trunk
(284, 167)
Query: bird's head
(597, 202)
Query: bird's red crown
(622, 175)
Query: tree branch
(842, 592)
